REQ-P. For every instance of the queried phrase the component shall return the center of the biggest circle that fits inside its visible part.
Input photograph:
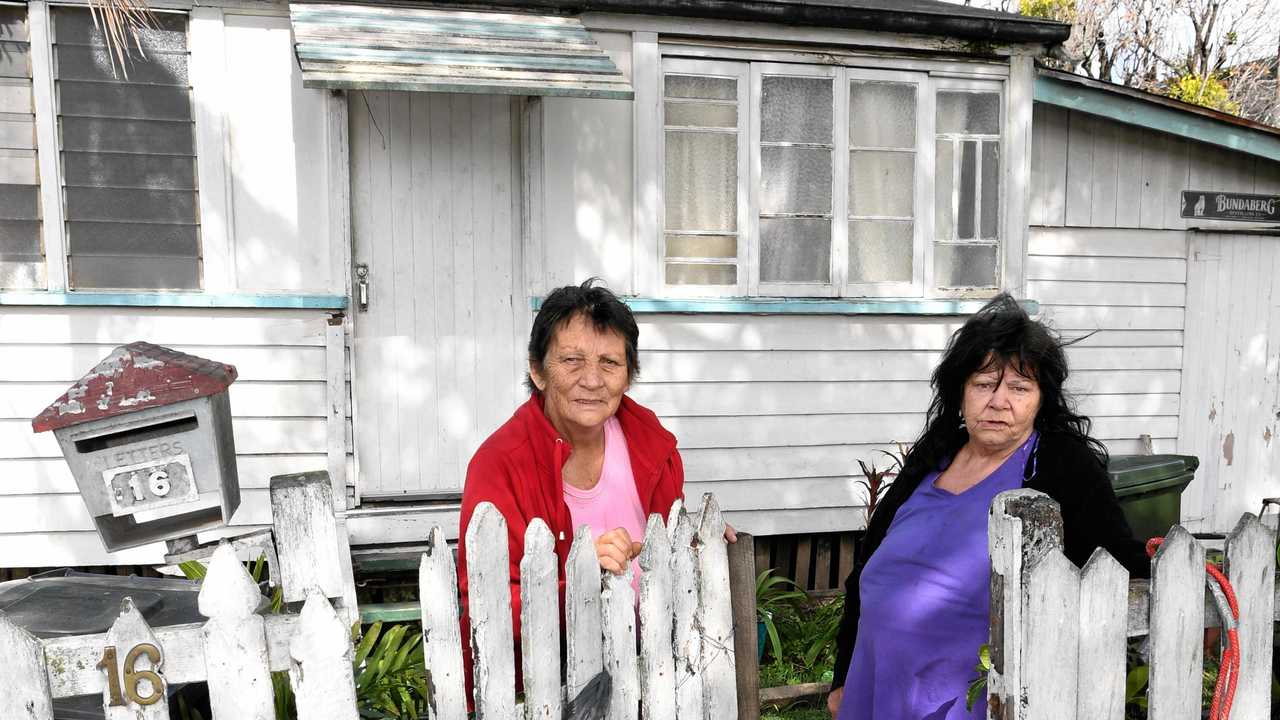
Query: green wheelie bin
(1149, 488)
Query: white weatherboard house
(359, 206)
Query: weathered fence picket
(438, 594)
(489, 603)
(657, 663)
(540, 624)
(320, 663)
(235, 641)
(1251, 558)
(24, 694)
(684, 667)
(1176, 646)
(1058, 635)
(1104, 596)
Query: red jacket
(518, 469)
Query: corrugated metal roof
(398, 48)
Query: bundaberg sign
(1202, 204)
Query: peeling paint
(144, 395)
(1213, 412)
(70, 407)
(143, 362)
(1229, 447)
(1266, 435)
(104, 400)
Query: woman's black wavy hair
(1000, 335)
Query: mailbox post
(147, 434)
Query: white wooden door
(439, 349)
(1231, 364)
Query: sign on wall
(1230, 206)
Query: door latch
(362, 286)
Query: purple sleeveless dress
(925, 602)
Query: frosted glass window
(990, 203)
(944, 222)
(795, 250)
(882, 115)
(881, 183)
(968, 190)
(702, 246)
(22, 262)
(795, 109)
(963, 266)
(701, 274)
(686, 114)
(128, 156)
(698, 87)
(795, 180)
(968, 113)
(880, 251)
(702, 181)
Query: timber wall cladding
(277, 405)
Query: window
(128, 157)
(21, 247)
(124, 174)
(795, 180)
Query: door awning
(369, 47)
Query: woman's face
(582, 377)
(1000, 407)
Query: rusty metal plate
(150, 485)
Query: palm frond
(122, 21)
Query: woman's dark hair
(999, 335)
(594, 302)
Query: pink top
(613, 502)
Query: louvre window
(22, 264)
(128, 157)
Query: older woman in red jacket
(579, 451)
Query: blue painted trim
(1134, 111)
(778, 306)
(179, 300)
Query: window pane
(128, 147)
(880, 251)
(882, 114)
(968, 113)
(795, 250)
(700, 115)
(943, 218)
(21, 247)
(990, 189)
(795, 180)
(704, 88)
(702, 181)
(795, 109)
(700, 246)
(881, 183)
(959, 266)
(699, 274)
(968, 188)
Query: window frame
(929, 78)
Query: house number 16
(133, 678)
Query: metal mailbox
(147, 434)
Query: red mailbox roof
(132, 378)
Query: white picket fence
(684, 667)
(1059, 633)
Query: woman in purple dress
(917, 601)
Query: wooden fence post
(1023, 526)
(1176, 647)
(441, 636)
(584, 639)
(320, 657)
(618, 618)
(742, 581)
(235, 641)
(1104, 599)
(1250, 568)
(657, 664)
(138, 669)
(306, 533)
(1051, 638)
(715, 616)
(540, 624)
(489, 605)
(24, 694)
(687, 640)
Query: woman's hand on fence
(615, 550)
(833, 701)
(730, 535)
